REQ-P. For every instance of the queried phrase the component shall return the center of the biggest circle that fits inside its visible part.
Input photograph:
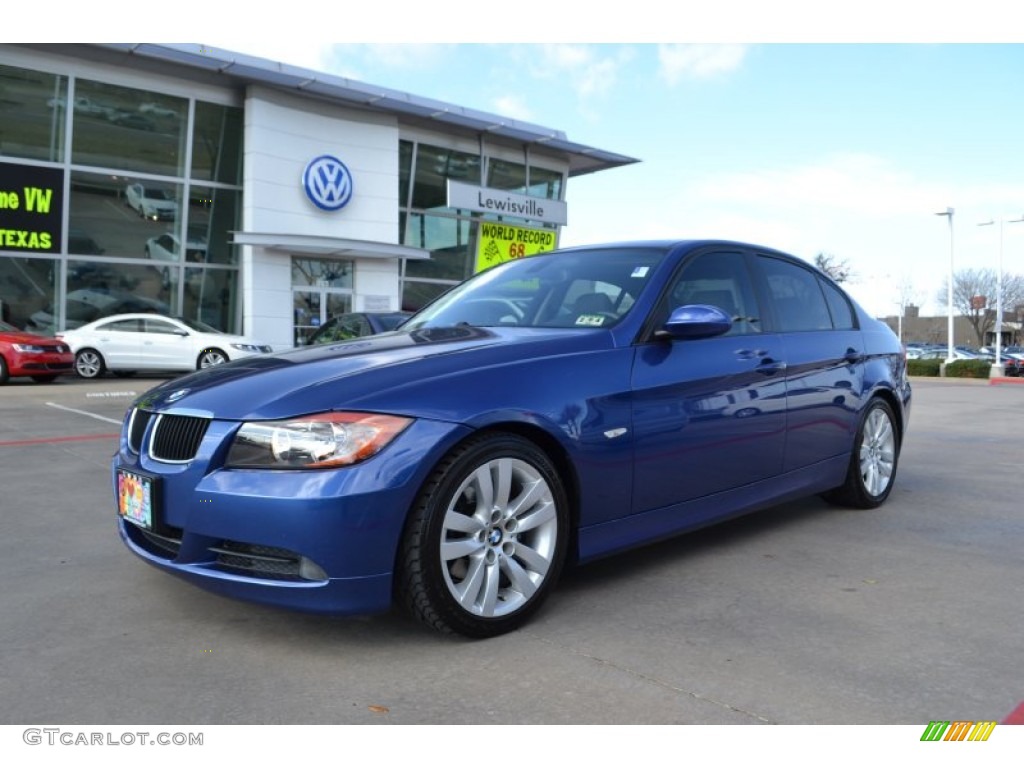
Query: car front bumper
(323, 541)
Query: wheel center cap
(494, 537)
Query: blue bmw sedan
(557, 408)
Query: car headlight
(251, 347)
(313, 442)
(27, 348)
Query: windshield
(573, 289)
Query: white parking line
(85, 413)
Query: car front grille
(175, 438)
(137, 428)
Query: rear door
(824, 351)
(119, 342)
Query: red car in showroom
(44, 358)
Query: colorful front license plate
(135, 494)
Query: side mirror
(696, 321)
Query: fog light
(310, 570)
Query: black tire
(208, 358)
(89, 363)
(873, 460)
(5, 374)
(474, 560)
(46, 379)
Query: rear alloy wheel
(487, 538)
(89, 364)
(873, 461)
(211, 357)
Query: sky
(788, 124)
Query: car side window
(718, 279)
(796, 296)
(123, 326)
(158, 326)
(843, 318)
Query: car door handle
(750, 354)
(853, 356)
(768, 366)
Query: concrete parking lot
(801, 614)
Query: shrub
(969, 369)
(923, 367)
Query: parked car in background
(1013, 364)
(128, 343)
(942, 353)
(42, 358)
(151, 202)
(83, 305)
(561, 407)
(353, 325)
(167, 247)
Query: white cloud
(698, 61)
(591, 69)
(514, 107)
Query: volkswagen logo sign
(328, 183)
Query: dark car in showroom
(353, 325)
(41, 358)
(553, 409)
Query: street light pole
(949, 296)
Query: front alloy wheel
(211, 357)
(487, 538)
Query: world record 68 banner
(497, 243)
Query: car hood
(358, 374)
(28, 338)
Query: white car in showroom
(167, 247)
(151, 202)
(126, 344)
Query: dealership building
(254, 196)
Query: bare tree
(836, 268)
(971, 286)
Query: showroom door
(312, 308)
(321, 289)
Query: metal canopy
(317, 245)
(254, 70)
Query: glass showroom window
(34, 106)
(98, 289)
(447, 239)
(502, 174)
(210, 296)
(434, 166)
(545, 183)
(217, 144)
(213, 214)
(122, 216)
(28, 292)
(126, 128)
